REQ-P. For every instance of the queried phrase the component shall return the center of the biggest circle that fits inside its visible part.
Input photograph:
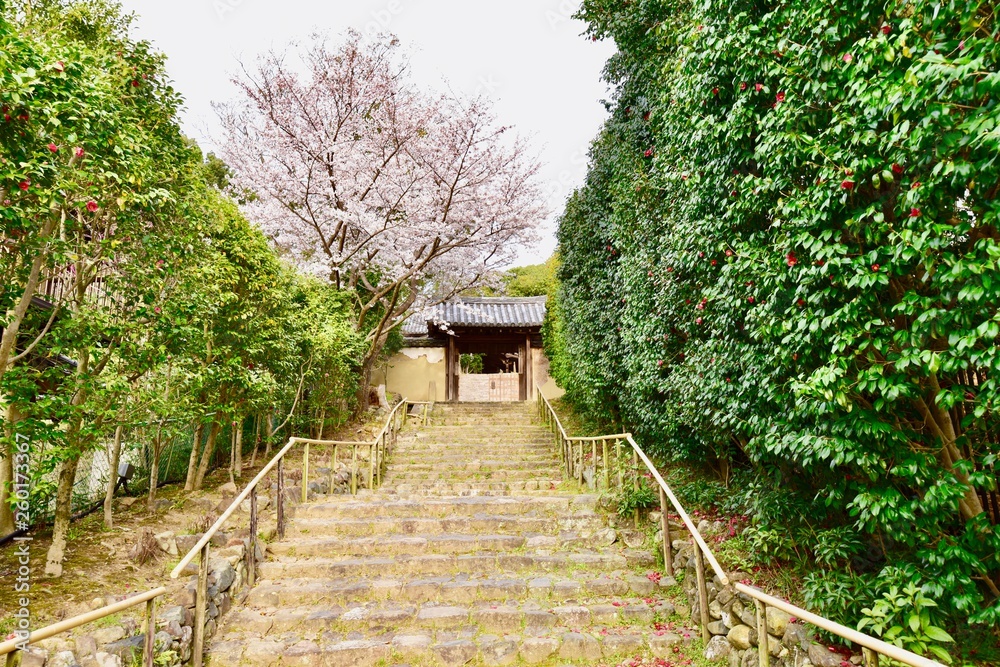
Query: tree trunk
(7, 522)
(193, 459)
(238, 446)
(15, 316)
(256, 444)
(64, 512)
(116, 451)
(268, 434)
(206, 455)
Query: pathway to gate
(473, 551)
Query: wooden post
(333, 467)
(618, 463)
(870, 656)
(763, 641)
(604, 461)
(354, 470)
(252, 541)
(593, 458)
(147, 645)
(371, 465)
(200, 609)
(699, 563)
(635, 487)
(579, 465)
(668, 559)
(305, 473)
(281, 498)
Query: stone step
(492, 523)
(437, 543)
(439, 488)
(333, 608)
(400, 507)
(447, 648)
(424, 462)
(461, 588)
(425, 565)
(472, 445)
(405, 475)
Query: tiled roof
(484, 312)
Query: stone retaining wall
(733, 624)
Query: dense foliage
(140, 306)
(784, 266)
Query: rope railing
(572, 456)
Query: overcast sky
(528, 55)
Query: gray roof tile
(485, 312)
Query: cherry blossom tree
(402, 197)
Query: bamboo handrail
(82, 619)
(847, 633)
(232, 508)
(763, 599)
(680, 510)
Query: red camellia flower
(53, 148)
(886, 29)
(715, 91)
(92, 206)
(660, 362)
(649, 152)
(915, 185)
(743, 86)
(729, 253)
(646, 115)
(875, 268)
(135, 84)
(670, 269)
(59, 66)
(24, 185)
(791, 259)
(650, 274)
(801, 302)
(758, 87)
(914, 212)
(897, 169)
(751, 299)
(848, 57)
(714, 262)
(79, 152)
(779, 98)
(847, 184)
(701, 254)
(698, 321)
(157, 310)
(701, 306)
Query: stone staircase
(473, 551)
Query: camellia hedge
(783, 265)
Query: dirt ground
(99, 568)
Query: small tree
(401, 197)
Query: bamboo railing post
(593, 459)
(668, 558)
(200, 609)
(281, 498)
(763, 641)
(371, 465)
(147, 645)
(699, 564)
(305, 472)
(579, 465)
(635, 487)
(252, 540)
(354, 470)
(333, 467)
(604, 461)
(870, 656)
(618, 462)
